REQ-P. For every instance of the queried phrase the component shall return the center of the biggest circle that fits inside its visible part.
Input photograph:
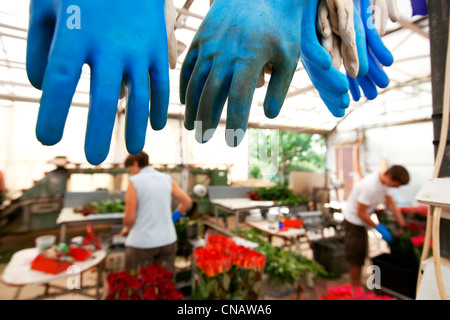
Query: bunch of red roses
(247, 258)
(212, 261)
(234, 271)
(221, 243)
(153, 282)
(240, 256)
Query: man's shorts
(355, 243)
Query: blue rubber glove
(378, 56)
(374, 41)
(176, 215)
(376, 77)
(234, 42)
(330, 83)
(118, 40)
(385, 234)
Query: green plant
(294, 152)
(283, 265)
(102, 206)
(181, 228)
(281, 194)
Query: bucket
(45, 242)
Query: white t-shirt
(368, 191)
(153, 226)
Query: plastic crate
(397, 274)
(330, 252)
(48, 265)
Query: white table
(18, 272)
(238, 205)
(68, 217)
(428, 289)
(292, 235)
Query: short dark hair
(399, 174)
(141, 158)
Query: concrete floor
(15, 243)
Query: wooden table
(238, 205)
(291, 235)
(68, 218)
(18, 273)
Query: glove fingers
(376, 72)
(104, 96)
(39, 39)
(380, 15)
(137, 112)
(328, 39)
(277, 89)
(333, 108)
(361, 44)
(373, 38)
(393, 10)
(368, 87)
(350, 56)
(354, 88)
(159, 92)
(171, 17)
(173, 51)
(240, 98)
(332, 79)
(339, 100)
(194, 92)
(346, 24)
(310, 46)
(211, 103)
(59, 85)
(186, 72)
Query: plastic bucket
(45, 242)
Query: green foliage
(208, 288)
(295, 152)
(283, 265)
(281, 194)
(182, 228)
(103, 206)
(110, 206)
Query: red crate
(79, 254)
(48, 265)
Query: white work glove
(336, 23)
(381, 10)
(171, 17)
(329, 40)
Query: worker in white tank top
(149, 220)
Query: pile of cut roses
(153, 282)
(225, 270)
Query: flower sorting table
(18, 273)
(69, 218)
(290, 236)
(238, 205)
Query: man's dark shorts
(355, 243)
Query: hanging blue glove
(176, 215)
(378, 56)
(236, 39)
(329, 82)
(118, 40)
(385, 233)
